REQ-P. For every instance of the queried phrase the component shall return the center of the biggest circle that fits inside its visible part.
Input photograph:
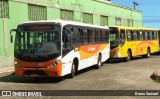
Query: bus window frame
(66, 36)
(135, 37)
(145, 33)
(141, 38)
(131, 36)
(120, 40)
(150, 35)
(107, 32)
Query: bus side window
(96, 36)
(103, 36)
(145, 34)
(107, 35)
(89, 31)
(129, 35)
(75, 36)
(85, 36)
(138, 35)
(154, 34)
(141, 35)
(92, 36)
(122, 36)
(81, 35)
(159, 35)
(150, 35)
(67, 37)
(135, 36)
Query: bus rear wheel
(99, 63)
(148, 54)
(128, 56)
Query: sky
(150, 11)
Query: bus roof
(63, 22)
(139, 28)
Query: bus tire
(128, 56)
(99, 62)
(73, 70)
(148, 53)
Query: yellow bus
(58, 48)
(127, 42)
(159, 38)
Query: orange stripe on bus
(141, 46)
(91, 50)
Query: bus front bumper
(48, 71)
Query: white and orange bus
(127, 42)
(57, 48)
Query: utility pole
(135, 4)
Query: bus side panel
(155, 47)
(89, 54)
(138, 47)
(151, 44)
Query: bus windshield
(114, 37)
(40, 44)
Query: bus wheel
(148, 54)
(128, 56)
(99, 63)
(73, 70)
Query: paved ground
(6, 70)
(113, 75)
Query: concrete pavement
(6, 70)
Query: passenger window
(140, 35)
(67, 32)
(89, 31)
(145, 35)
(76, 36)
(154, 34)
(85, 36)
(96, 36)
(107, 35)
(129, 35)
(150, 35)
(93, 36)
(135, 35)
(122, 36)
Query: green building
(99, 12)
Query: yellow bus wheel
(128, 56)
(148, 53)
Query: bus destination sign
(31, 28)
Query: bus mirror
(11, 36)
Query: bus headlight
(55, 63)
(17, 64)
